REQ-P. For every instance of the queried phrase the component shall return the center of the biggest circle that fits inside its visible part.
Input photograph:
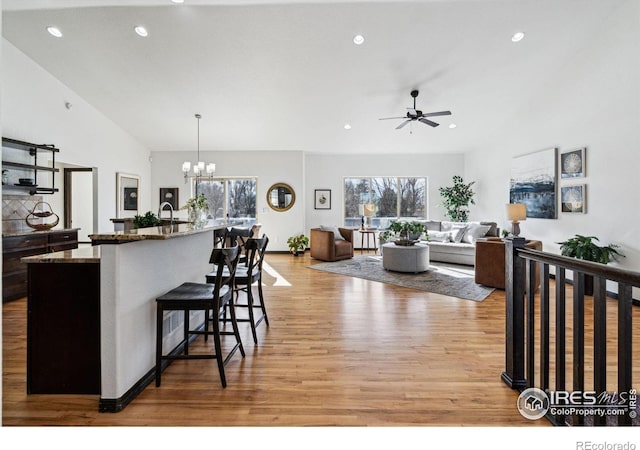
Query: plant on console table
(298, 244)
(457, 198)
(584, 247)
(198, 208)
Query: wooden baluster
(561, 332)
(578, 338)
(544, 326)
(600, 341)
(625, 339)
(531, 323)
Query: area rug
(441, 278)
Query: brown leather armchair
(490, 261)
(325, 247)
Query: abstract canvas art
(534, 183)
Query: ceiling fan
(414, 114)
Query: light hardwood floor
(340, 351)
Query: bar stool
(246, 275)
(205, 297)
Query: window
(232, 198)
(394, 197)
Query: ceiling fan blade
(389, 118)
(428, 122)
(439, 113)
(403, 124)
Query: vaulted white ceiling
(285, 75)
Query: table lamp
(369, 210)
(515, 213)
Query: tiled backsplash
(15, 209)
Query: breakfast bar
(146, 263)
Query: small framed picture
(323, 199)
(573, 199)
(572, 163)
(131, 199)
(170, 195)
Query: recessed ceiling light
(358, 39)
(54, 31)
(141, 31)
(452, 125)
(177, 1)
(517, 37)
(347, 126)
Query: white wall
(33, 110)
(328, 172)
(268, 167)
(592, 101)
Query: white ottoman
(409, 258)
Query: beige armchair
(325, 246)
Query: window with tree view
(393, 197)
(229, 198)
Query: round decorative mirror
(281, 197)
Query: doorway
(80, 202)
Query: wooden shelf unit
(34, 168)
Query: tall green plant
(584, 247)
(457, 198)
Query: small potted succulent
(298, 244)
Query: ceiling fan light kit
(414, 114)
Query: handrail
(589, 267)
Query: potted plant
(148, 220)
(298, 244)
(407, 230)
(584, 247)
(457, 198)
(198, 208)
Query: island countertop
(76, 255)
(154, 233)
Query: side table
(369, 232)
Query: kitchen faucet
(162, 205)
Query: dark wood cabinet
(63, 328)
(14, 272)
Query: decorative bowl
(406, 242)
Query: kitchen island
(146, 263)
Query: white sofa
(454, 242)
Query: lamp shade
(516, 212)
(369, 209)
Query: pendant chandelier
(199, 167)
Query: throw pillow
(457, 232)
(474, 231)
(336, 232)
(439, 236)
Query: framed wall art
(170, 195)
(323, 199)
(534, 183)
(573, 163)
(573, 199)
